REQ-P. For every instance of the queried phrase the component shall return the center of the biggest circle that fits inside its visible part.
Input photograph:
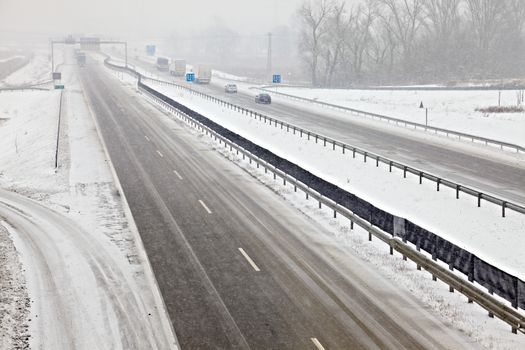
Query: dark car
(263, 98)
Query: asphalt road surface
(238, 267)
(502, 178)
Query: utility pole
(269, 58)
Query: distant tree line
(411, 41)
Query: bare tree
(443, 18)
(361, 35)
(339, 25)
(403, 18)
(485, 17)
(314, 16)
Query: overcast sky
(145, 17)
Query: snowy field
(37, 70)
(480, 230)
(73, 258)
(469, 318)
(454, 110)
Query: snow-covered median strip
(481, 231)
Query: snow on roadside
(37, 70)
(14, 300)
(82, 189)
(454, 110)
(482, 231)
(28, 138)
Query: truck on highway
(163, 64)
(178, 68)
(81, 58)
(203, 74)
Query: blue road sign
(150, 50)
(276, 79)
(190, 77)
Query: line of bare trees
(411, 41)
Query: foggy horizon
(121, 17)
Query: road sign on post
(276, 79)
(59, 87)
(57, 75)
(190, 77)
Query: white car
(230, 88)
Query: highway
(503, 178)
(237, 266)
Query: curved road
(238, 267)
(84, 298)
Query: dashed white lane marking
(317, 343)
(160, 154)
(147, 138)
(247, 257)
(205, 207)
(178, 175)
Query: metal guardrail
(494, 307)
(458, 188)
(473, 138)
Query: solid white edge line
(147, 138)
(160, 154)
(247, 257)
(178, 175)
(205, 207)
(168, 328)
(317, 343)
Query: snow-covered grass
(102, 283)
(479, 230)
(37, 70)
(28, 138)
(454, 110)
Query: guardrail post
(344, 148)
(364, 155)
(334, 145)
(390, 166)
(324, 143)
(437, 183)
(319, 204)
(405, 171)
(420, 178)
(503, 206)
(457, 191)
(353, 153)
(377, 161)
(335, 214)
(479, 199)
